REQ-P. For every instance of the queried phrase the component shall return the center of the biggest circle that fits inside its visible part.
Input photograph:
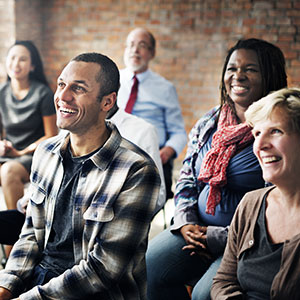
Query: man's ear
(153, 53)
(108, 101)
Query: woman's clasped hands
(195, 237)
(7, 149)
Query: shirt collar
(140, 76)
(101, 158)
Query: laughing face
(76, 98)
(243, 80)
(277, 148)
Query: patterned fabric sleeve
(188, 188)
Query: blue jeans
(201, 290)
(169, 269)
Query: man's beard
(134, 67)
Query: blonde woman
(261, 260)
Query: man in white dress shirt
(156, 101)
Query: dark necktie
(133, 95)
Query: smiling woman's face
(18, 63)
(277, 149)
(243, 79)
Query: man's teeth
(66, 110)
(270, 159)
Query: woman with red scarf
(219, 168)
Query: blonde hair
(287, 99)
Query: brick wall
(29, 21)
(192, 36)
(7, 32)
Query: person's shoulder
(137, 131)
(41, 87)
(211, 116)
(125, 74)
(259, 192)
(253, 199)
(5, 91)
(123, 71)
(38, 85)
(138, 122)
(127, 150)
(153, 76)
(4, 85)
(135, 154)
(127, 157)
(212, 112)
(125, 147)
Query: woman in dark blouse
(27, 117)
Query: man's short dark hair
(109, 76)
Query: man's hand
(166, 153)
(195, 237)
(5, 294)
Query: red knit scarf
(229, 137)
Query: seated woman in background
(27, 115)
(262, 256)
(218, 170)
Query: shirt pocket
(37, 197)
(99, 214)
(37, 211)
(95, 218)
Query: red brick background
(192, 35)
(7, 32)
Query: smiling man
(92, 196)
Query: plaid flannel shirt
(116, 195)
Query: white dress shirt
(157, 103)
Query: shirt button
(251, 242)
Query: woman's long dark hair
(271, 62)
(38, 71)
